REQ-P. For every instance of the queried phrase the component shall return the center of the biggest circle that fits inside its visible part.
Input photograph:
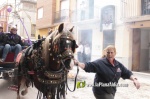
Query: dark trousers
(104, 96)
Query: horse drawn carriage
(45, 65)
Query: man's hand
(136, 83)
(76, 62)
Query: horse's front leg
(25, 87)
(22, 85)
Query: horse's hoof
(24, 92)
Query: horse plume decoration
(46, 64)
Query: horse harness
(33, 56)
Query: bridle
(62, 57)
(75, 81)
(54, 48)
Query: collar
(106, 61)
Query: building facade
(122, 23)
(23, 17)
(4, 14)
(136, 18)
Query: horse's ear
(50, 32)
(60, 28)
(71, 29)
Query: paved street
(129, 92)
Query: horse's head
(59, 48)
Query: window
(29, 7)
(40, 13)
(64, 8)
(85, 9)
(108, 38)
(2, 14)
(145, 7)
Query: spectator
(87, 52)
(2, 41)
(1, 38)
(80, 52)
(13, 44)
(25, 42)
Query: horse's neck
(54, 64)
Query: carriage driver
(13, 44)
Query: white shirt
(87, 50)
(80, 48)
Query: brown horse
(46, 63)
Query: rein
(75, 81)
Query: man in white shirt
(80, 52)
(87, 52)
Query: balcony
(29, 1)
(61, 16)
(134, 11)
(88, 14)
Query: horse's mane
(64, 33)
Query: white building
(23, 16)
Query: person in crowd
(87, 52)
(25, 42)
(108, 72)
(13, 44)
(2, 43)
(80, 52)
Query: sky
(2, 1)
(9, 1)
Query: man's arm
(88, 66)
(81, 65)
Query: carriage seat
(10, 56)
(9, 61)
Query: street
(129, 92)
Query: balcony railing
(76, 15)
(61, 16)
(85, 14)
(30, 1)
